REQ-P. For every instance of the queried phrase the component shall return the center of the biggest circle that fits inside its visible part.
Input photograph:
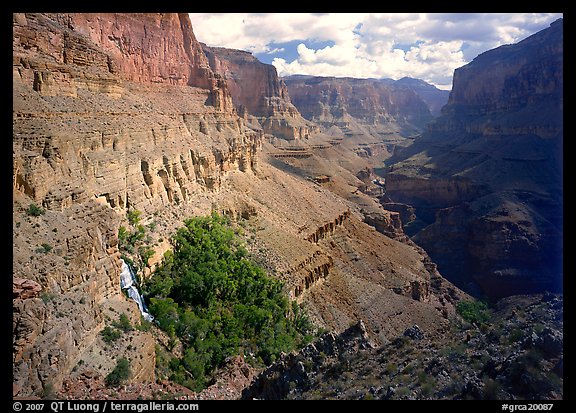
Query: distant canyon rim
(376, 200)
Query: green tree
(473, 311)
(218, 303)
(110, 334)
(120, 373)
(35, 210)
(134, 216)
(123, 323)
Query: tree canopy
(209, 295)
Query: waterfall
(128, 283)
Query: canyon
(485, 178)
(122, 112)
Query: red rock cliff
(110, 112)
(255, 86)
(372, 102)
(140, 47)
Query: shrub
(123, 323)
(515, 335)
(473, 311)
(120, 373)
(391, 368)
(110, 334)
(47, 297)
(144, 325)
(122, 234)
(35, 210)
(45, 248)
(134, 216)
(48, 392)
(145, 254)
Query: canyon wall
(119, 112)
(355, 104)
(434, 98)
(487, 175)
(257, 90)
(110, 112)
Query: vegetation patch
(110, 334)
(208, 295)
(134, 242)
(123, 323)
(120, 373)
(35, 210)
(473, 311)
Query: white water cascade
(128, 283)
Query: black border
(319, 6)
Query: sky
(426, 46)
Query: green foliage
(515, 335)
(123, 323)
(152, 225)
(45, 249)
(144, 325)
(35, 210)
(122, 234)
(217, 303)
(473, 311)
(133, 241)
(120, 373)
(47, 297)
(110, 334)
(391, 368)
(134, 216)
(145, 254)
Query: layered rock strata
(256, 90)
(487, 175)
(110, 112)
(116, 112)
(376, 107)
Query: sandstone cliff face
(367, 102)
(113, 138)
(111, 111)
(492, 166)
(511, 77)
(77, 275)
(255, 87)
(106, 118)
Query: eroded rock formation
(111, 111)
(120, 112)
(256, 88)
(487, 175)
(354, 105)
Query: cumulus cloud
(428, 46)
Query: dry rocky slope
(485, 179)
(516, 355)
(113, 112)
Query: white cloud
(428, 46)
(275, 50)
